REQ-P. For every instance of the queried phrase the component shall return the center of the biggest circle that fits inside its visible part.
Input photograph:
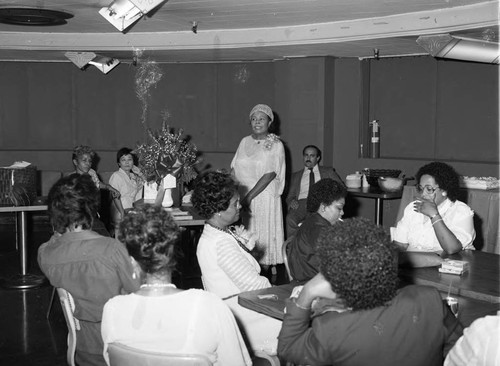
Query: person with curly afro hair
(225, 257)
(373, 322)
(436, 221)
(325, 202)
(159, 317)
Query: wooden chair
(68, 306)
(122, 355)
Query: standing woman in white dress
(259, 168)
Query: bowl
(388, 184)
(372, 175)
(353, 181)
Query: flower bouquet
(166, 157)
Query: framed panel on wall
(402, 101)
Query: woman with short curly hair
(436, 221)
(325, 204)
(91, 267)
(373, 322)
(225, 256)
(159, 317)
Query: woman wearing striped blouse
(225, 259)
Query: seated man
(91, 267)
(300, 184)
(381, 325)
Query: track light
(466, 49)
(123, 13)
(81, 59)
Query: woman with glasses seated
(436, 221)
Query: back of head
(73, 201)
(445, 176)
(325, 191)
(212, 193)
(150, 234)
(360, 263)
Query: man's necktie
(311, 181)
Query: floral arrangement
(166, 152)
(270, 139)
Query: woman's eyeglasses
(427, 188)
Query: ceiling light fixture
(81, 59)
(33, 16)
(123, 13)
(458, 48)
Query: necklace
(235, 237)
(158, 285)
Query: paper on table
(18, 165)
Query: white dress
(227, 270)
(192, 321)
(252, 160)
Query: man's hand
(317, 286)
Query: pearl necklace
(158, 285)
(233, 234)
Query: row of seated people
(127, 284)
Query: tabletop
(481, 281)
(469, 309)
(374, 192)
(23, 208)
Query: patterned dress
(252, 160)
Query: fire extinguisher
(375, 139)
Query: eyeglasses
(427, 188)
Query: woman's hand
(426, 206)
(114, 192)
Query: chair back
(68, 306)
(285, 256)
(122, 355)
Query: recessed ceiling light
(33, 16)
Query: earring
(218, 214)
(134, 275)
(445, 194)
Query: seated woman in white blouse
(128, 180)
(225, 259)
(436, 221)
(159, 317)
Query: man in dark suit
(299, 186)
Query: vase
(167, 198)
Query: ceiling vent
(33, 16)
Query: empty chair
(122, 355)
(68, 306)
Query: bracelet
(436, 221)
(433, 216)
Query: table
(469, 309)
(378, 195)
(480, 282)
(23, 280)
